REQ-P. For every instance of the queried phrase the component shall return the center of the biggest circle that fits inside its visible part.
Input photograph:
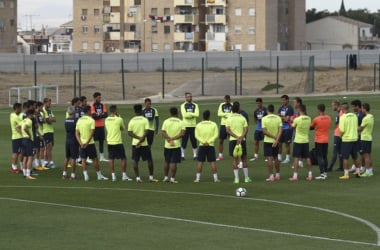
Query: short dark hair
(366, 106)
(321, 107)
(39, 104)
(30, 112)
(206, 115)
(86, 109)
(356, 103)
(302, 108)
(298, 99)
(286, 97)
(82, 98)
(228, 97)
(137, 108)
(173, 111)
(235, 107)
(75, 100)
(113, 108)
(96, 94)
(147, 100)
(16, 105)
(259, 99)
(270, 108)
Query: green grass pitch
(51, 213)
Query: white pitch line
(375, 228)
(185, 220)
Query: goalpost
(37, 93)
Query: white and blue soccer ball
(241, 192)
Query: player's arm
(184, 113)
(198, 136)
(196, 111)
(221, 114)
(26, 130)
(104, 113)
(232, 134)
(156, 125)
(77, 136)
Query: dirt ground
(141, 85)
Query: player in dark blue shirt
(72, 145)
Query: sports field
(51, 213)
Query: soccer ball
(241, 192)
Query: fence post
(241, 74)
(173, 61)
(347, 65)
(379, 72)
(277, 73)
(122, 78)
(23, 63)
(163, 78)
(63, 63)
(75, 83)
(203, 76)
(374, 77)
(236, 69)
(80, 77)
(101, 62)
(35, 80)
(138, 62)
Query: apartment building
(8, 26)
(188, 25)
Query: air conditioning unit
(83, 17)
(130, 14)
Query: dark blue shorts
(233, 144)
(38, 143)
(172, 155)
(286, 136)
(206, 152)
(99, 134)
(116, 152)
(365, 147)
(16, 146)
(72, 149)
(270, 151)
(150, 137)
(301, 150)
(223, 132)
(27, 147)
(258, 135)
(349, 148)
(89, 151)
(142, 152)
(49, 138)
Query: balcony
(130, 35)
(216, 3)
(193, 19)
(186, 37)
(114, 35)
(192, 3)
(115, 17)
(210, 19)
(216, 36)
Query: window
(2, 4)
(167, 29)
(137, 2)
(166, 11)
(96, 12)
(237, 46)
(12, 4)
(237, 28)
(219, 11)
(238, 12)
(251, 30)
(166, 46)
(2, 25)
(251, 47)
(96, 28)
(84, 45)
(12, 22)
(154, 47)
(132, 28)
(84, 29)
(96, 45)
(153, 11)
(252, 12)
(84, 12)
(154, 28)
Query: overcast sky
(53, 13)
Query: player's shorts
(150, 137)
(337, 143)
(365, 147)
(72, 150)
(116, 152)
(89, 151)
(27, 147)
(49, 138)
(258, 135)
(38, 143)
(301, 150)
(142, 152)
(99, 134)
(349, 148)
(286, 136)
(233, 144)
(270, 151)
(223, 132)
(206, 152)
(172, 155)
(16, 146)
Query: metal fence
(149, 62)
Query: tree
(342, 11)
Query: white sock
(279, 157)
(125, 175)
(27, 172)
(288, 157)
(277, 174)
(64, 173)
(51, 162)
(362, 169)
(236, 173)
(215, 176)
(46, 163)
(24, 171)
(73, 175)
(245, 171)
(113, 176)
(138, 178)
(195, 152)
(99, 174)
(150, 177)
(182, 152)
(220, 155)
(198, 176)
(35, 163)
(172, 179)
(256, 155)
(166, 178)
(353, 167)
(101, 155)
(295, 175)
(271, 176)
(310, 173)
(346, 172)
(14, 166)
